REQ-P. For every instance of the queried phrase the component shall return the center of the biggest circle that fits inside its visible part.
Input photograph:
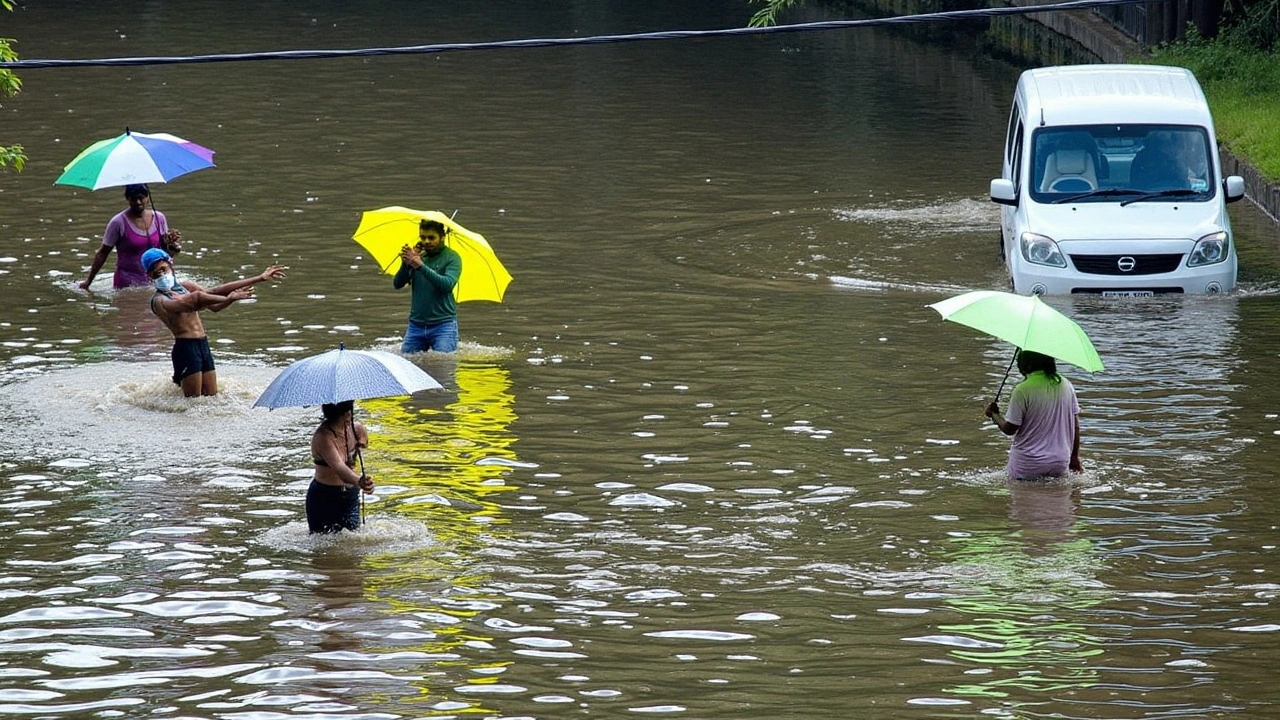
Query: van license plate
(1127, 293)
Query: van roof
(1088, 94)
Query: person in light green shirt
(1044, 420)
(431, 269)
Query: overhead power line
(563, 42)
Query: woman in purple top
(133, 232)
(1044, 420)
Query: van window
(1015, 124)
(1135, 159)
(1016, 164)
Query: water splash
(962, 215)
(380, 534)
(123, 413)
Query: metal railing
(1132, 20)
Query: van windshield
(1126, 161)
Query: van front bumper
(1125, 274)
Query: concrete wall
(1094, 34)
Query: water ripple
(713, 635)
(62, 614)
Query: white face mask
(165, 282)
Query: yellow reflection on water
(450, 450)
(453, 444)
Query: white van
(1112, 185)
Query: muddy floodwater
(712, 457)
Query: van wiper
(1183, 192)
(1105, 192)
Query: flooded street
(713, 457)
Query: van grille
(1142, 264)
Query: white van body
(1112, 184)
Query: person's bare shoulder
(184, 303)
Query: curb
(1257, 188)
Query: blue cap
(153, 256)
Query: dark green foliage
(1255, 23)
(768, 15)
(11, 155)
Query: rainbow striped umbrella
(134, 158)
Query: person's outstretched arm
(218, 303)
(275, 272)
(197, 300)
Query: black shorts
(191, 356)
(331, 509)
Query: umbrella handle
(360, 459)
(1006, 376)
(164, 245)
(155, 216)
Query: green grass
(1243, 89)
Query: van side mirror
(1233, 186)
(1002, 192)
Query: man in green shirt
(432, 269)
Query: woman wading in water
(1044, 420)
(333, 499)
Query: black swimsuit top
(351, 453)
(351, 461)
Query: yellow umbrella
(384, 232)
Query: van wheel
(1000, 239)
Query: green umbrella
(1024, 320)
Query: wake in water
(378, 535)
(885, 285)
(917, 227)
(997, 479)
(963, 215)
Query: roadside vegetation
(1242, 83)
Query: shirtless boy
(178, 303)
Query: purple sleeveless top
(130, 244)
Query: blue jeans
(441, 337)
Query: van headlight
(1041, 250)
(1210, 250)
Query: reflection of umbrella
(383, 232)
(343, 374)
(134, 158)
(1024, 320)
